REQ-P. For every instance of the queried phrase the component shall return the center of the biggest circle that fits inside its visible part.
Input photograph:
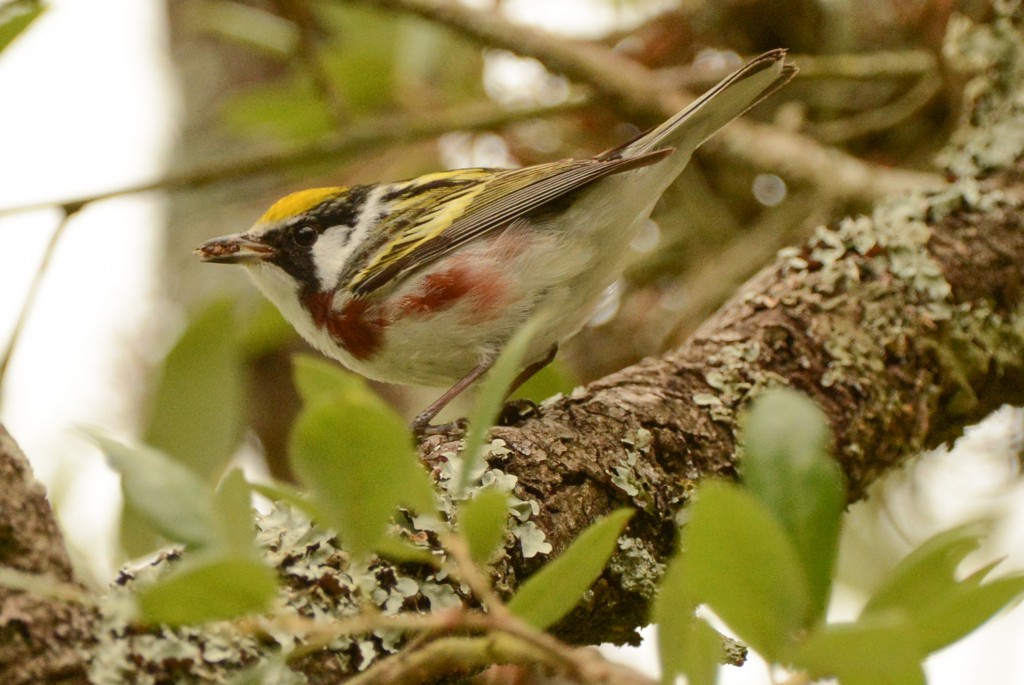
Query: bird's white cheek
(330, 253)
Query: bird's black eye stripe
(304, 235)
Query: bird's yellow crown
(298, 202)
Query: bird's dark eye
(304, 236)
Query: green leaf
(264, 329)
(233, 505)
(949, 619)
(482, 522)
(288, 493)
(357, 460)
(252, 26)
(361, 67)
(924, 587)
(687, 645)
(554, 378)
(557, 587)
(15, 17)
(787, 466)
(318, 379)
(878, 651)
(212, 589)
(196, 414)
(491, 397)
(136, 537)
(401, 551)
(928, 572)
(740, 561)
(169, 496)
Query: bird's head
(304, 237)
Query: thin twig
(450, 656)
(358, 138)
(883, 64)
(879, 118)
(469, 573)
(68, 210)
(636, 93)
(302, 16)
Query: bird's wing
(431, 216)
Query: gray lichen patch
(637, 567)
(991, 136)
(318, 584)
(859, 306)
(627, 474)
(521, 528)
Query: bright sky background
(89, 105)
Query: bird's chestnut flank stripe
(443, 289)
(356, 327)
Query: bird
(423, 281)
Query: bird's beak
(234, 249)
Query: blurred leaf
(786, 464)
(264, 329)
(491, 397)
(739, 560)
(482, 522)
(135, 536)
(209, 590)
(289, 494)
(877, 651)
(15, 17)
(554, 590)
(360, 62)
(554, 378)
(924, 587)
(928, 572)
(247, 24)
(318, 380)
(687, 645)
(289, 111)
(233, 505)
(435, 63)
(356, 457)
(196, 414)
(171, 498)
(947, 620)
(400, 551)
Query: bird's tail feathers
(733, 96)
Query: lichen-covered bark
(39, 638)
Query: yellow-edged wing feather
(433, 215)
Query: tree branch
(40, 636)
(638, 94)
(358, 138)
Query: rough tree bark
(39, 637)
(905, 326)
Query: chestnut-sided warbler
(424, 281)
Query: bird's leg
(421, 424)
